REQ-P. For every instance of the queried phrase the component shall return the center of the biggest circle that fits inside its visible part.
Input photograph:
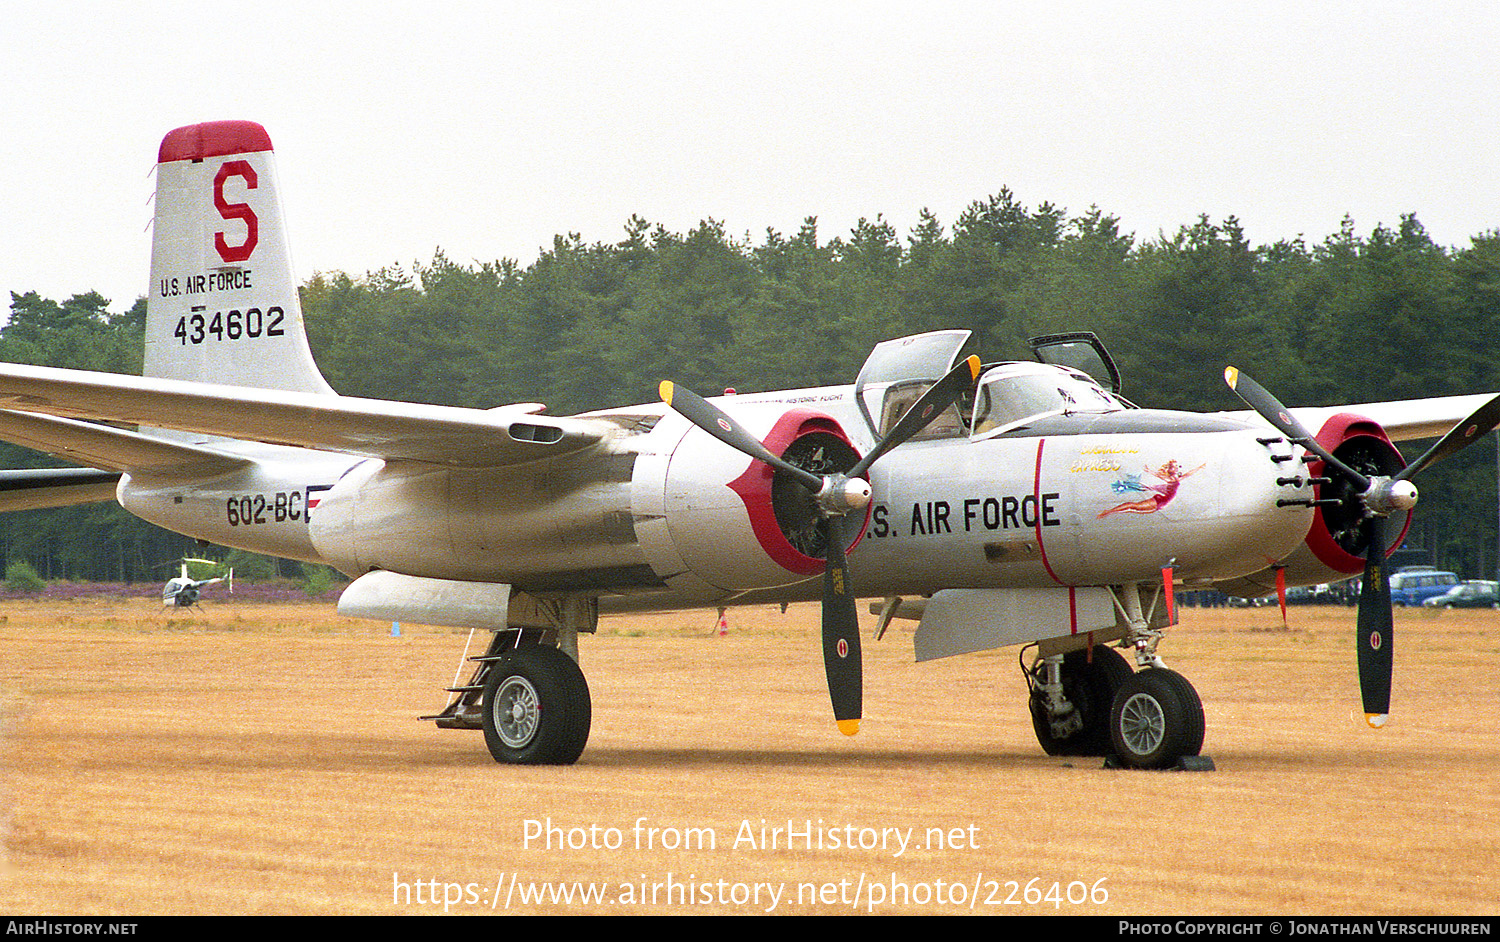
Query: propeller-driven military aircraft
(1013, 503)
(183, 591)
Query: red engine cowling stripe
(1338, 429)
(754, 488)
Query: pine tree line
(1353, 318)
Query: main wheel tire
(1157, 718)
(1090, 685)
(536, 708)
(1195, 725)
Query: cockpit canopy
(896, 374)
(1013, 393)
(1081, 350)
(1066, 381)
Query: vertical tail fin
(223, 306)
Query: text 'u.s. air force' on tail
(1005, 503)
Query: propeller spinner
(1375, 498)
(835, 496)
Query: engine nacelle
(1333, 549)
(737, 524)
(540, 527)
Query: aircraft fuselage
(665, 515)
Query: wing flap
(370, 427)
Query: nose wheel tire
(536, 708)
(1156, 720)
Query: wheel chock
(1184, 764)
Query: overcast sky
(487, 128)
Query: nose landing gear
(1156, 720)
(1089, 702)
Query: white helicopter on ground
(1020, 503)
(183, 591)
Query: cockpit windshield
(1014, 392)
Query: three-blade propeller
(1376, 498)
(835, 495)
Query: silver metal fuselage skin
(651, 517)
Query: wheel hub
(1143, 724)
(517, 712)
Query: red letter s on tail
(240, 211)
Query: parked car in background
(1236, 601)
(1414, 585)
(1473, 594)
(1337, 593)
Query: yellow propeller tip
(974, 363)
(1376, 720)
(665, 390)
(849, 727)
(1231, 376)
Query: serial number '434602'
(250, 324)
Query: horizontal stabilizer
(101, 446)
(55, 487)
(370, 427)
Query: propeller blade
(1461, 436)
(1373, 626)
(938, 397)
(841, 654)
(1271, 409)
(715, 422)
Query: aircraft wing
(372, 427)
(1402, 420)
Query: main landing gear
(1089, 702)
(536, 708)
(529, 697)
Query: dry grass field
(262, 758)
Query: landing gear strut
(1071, 697)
